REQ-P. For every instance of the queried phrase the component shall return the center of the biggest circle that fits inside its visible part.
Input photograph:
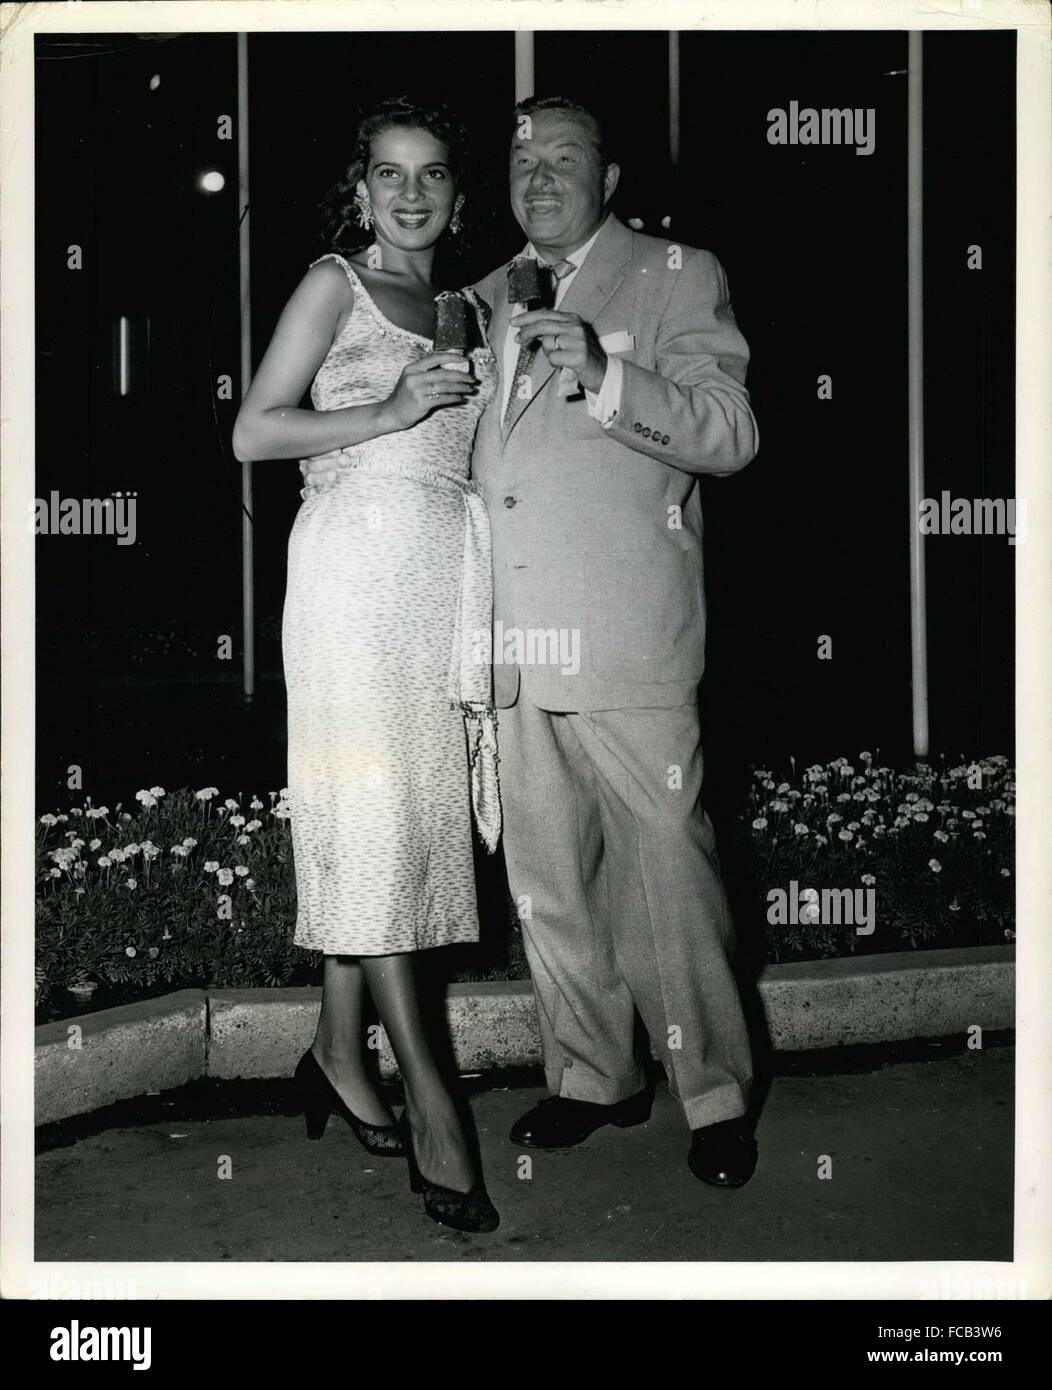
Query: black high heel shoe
(320, 1099)
(464, 1211)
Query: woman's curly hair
(341, 230)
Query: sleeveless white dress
(383, 549)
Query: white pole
(248, 598)
(673, 97)
(915, 305)
(523, 64)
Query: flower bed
(190, 891)
(932, 847)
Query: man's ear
(611, 176)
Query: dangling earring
(455, 223)
(365, 210)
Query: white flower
(231, 804)
(978, 835)
(180, 850)
(833, 817)
(760, 823)
(942, 837)
(157, 791)
(821, 840)
(149, 850)
(240, 870)
(244, 840)
(54, 873)
(206, 793)
(779, 805)
(935, 866)
(189, 842)
(920, 815)
(94, 844)
(844, 796)
(846, 835)
(250, 883)
(254, 825)
(211, 865)
(968, 815)
(104, 861)
(1006, 873)
(131, 883)
(800, 828)
(868, 879)
(147, 798)
(783, 787)
(225, 877)
(49, 819)
(237, 820)
(131, 849)
(256, 804)
(130, 951)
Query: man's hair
(532, 105)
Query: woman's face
(410, 186)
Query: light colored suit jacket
(597, 533)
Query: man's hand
(567, 341)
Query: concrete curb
(87, 1062)
(260, 1033)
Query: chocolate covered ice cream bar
(525, 283)
(451, 322)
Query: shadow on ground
(919, 1142)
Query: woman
(388, 589)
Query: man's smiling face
(559, 186)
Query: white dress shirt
(602, 406)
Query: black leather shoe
(723, 1154)
(560, 1123)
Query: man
(613, 402)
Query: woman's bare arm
(270, 424)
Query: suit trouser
(610, 858)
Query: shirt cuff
(606, 405)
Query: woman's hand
(426, 385)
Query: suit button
(646, 434)
(637, 427)
(509, 502)
(664, 439)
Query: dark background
(811, 539)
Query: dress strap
(361, 294)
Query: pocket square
(617, 342)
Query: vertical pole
(673, 98)
(248, 597)
(915, 306)
(523, 64)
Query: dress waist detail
(470, 670)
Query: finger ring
(556, 348)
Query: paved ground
(921, 1168)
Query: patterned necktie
(518, 395)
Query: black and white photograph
(526, 600)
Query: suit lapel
(590, 291)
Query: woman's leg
(439, 1141)
(339, 1042)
